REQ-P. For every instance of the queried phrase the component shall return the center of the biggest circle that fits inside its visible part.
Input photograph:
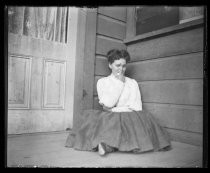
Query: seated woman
(122, 124)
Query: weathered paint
(36, 117)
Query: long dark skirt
(125, 131)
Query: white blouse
(119, 96)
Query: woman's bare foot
(101, 149)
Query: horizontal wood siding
(186, 137)
(175, 67)
(102, 68)
(178, 43)
(173, 91)
(110, 27)
(188, 118)
(110, 33)
(169, 70)
(104, 44)
(185, 66)
(118, 13)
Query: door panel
(19, 81)
(41, 83)
(36, 83)
(54, 84)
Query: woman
(122, 124)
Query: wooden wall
(168, 68)
(110, 33)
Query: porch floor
(47, 150)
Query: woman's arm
(136, 103)
(107, 109)
(109, 93)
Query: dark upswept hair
(116, 54)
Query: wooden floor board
(49, 151)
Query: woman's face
(118, 67)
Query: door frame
(84, 62)
(81, 40)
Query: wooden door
(41, 75)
